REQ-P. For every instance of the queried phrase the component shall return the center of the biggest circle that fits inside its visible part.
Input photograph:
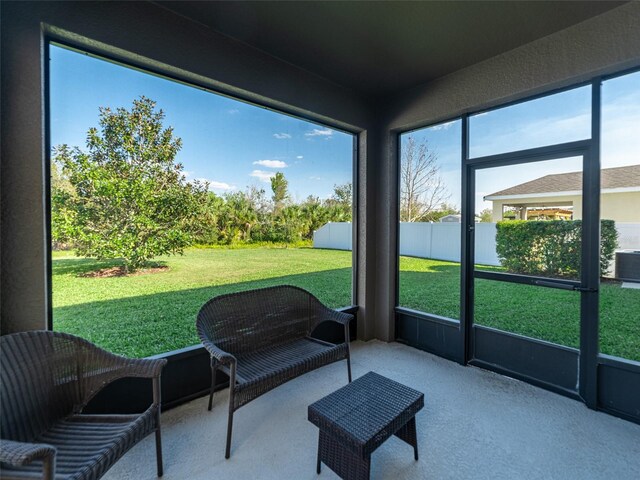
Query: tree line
(126, 197)
(251, 216)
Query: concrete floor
(475, 425)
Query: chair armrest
(218, 354)
(140, 367)
(18, 454)
(100, 368)
(103, 361)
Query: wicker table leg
(318, 457)
(346, 464)
(408, 434)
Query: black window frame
(55, 40)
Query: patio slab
(475, 425)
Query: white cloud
(315, 178)
(299, 157)
(319, 132)
(271, 163)
(282, 136)
(262, 175)
(233, 111)
(216, 185)
(443, 126)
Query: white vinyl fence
(441, 241)
(334, 235)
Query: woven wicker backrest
(45, 376)
(246, 321)
(38, 382)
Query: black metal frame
(590, 273)
(355, 230)
(408, 311)
(603, 382)
(586, 287)
(47, 178)
(467, 224)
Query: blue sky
(233, 144)
(227, 142)
(548, 120)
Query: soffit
(379, 48)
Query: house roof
(611, 178)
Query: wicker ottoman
(359, 417)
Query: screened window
(430, 160)
(558, 118)
(164, 195)
(620, 217)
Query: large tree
(422, 189)
(129, 197)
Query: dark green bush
(549, 248)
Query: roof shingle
(619, 177)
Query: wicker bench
(46, 379)
(261, 339)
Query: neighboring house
(561, 193)
(454, 218)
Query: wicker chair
(261, 339)
(47, 378)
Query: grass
(143, 315)
(548, 314)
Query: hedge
(549, 248)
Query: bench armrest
(338, 317)
(18, 454)
(219, 355)
(330, 315)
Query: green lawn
(548, 314)
(143, 315)
(147, 314)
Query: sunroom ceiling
(379, 48)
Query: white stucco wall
(619, 207)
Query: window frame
(61, 42)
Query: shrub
(549, 248)
(608, 243)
